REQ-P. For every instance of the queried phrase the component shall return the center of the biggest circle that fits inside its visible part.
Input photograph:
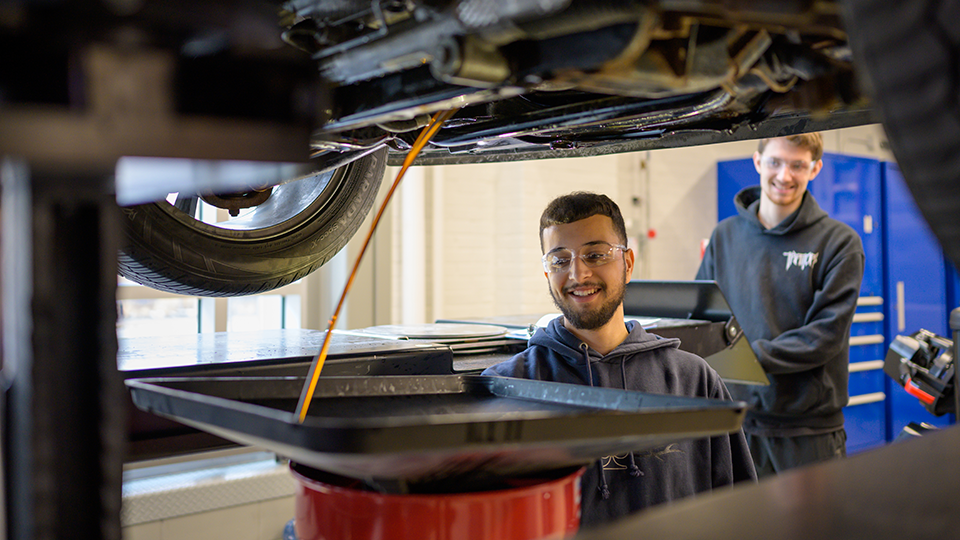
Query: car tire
(169, 250)
(908, 55)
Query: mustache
(573, 286)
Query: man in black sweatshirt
(792, 277)
(587, 266)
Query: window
(145, 312)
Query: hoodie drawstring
(603, 487)
(586, 359)
(634, 470)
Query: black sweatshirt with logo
(619, 485)
(794, 290)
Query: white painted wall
(480, 247)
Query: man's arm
(827, 325)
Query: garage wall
(461, 241)
(480, 253)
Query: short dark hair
(810, 141)
(581, 205)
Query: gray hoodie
(793, 289)
(619, 485)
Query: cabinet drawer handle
(901, 311)
(869, 365)
(867, 317)
(863, 399)
(872, 339)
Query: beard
(595, 318)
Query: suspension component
(234, 202)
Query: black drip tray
(424, 428)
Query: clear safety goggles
(592, 255)
(796, 167)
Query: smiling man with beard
(587, 266)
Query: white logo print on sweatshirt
(801, 260)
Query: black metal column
(63, 425)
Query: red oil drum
(331, 507)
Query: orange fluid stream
(310, 386)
